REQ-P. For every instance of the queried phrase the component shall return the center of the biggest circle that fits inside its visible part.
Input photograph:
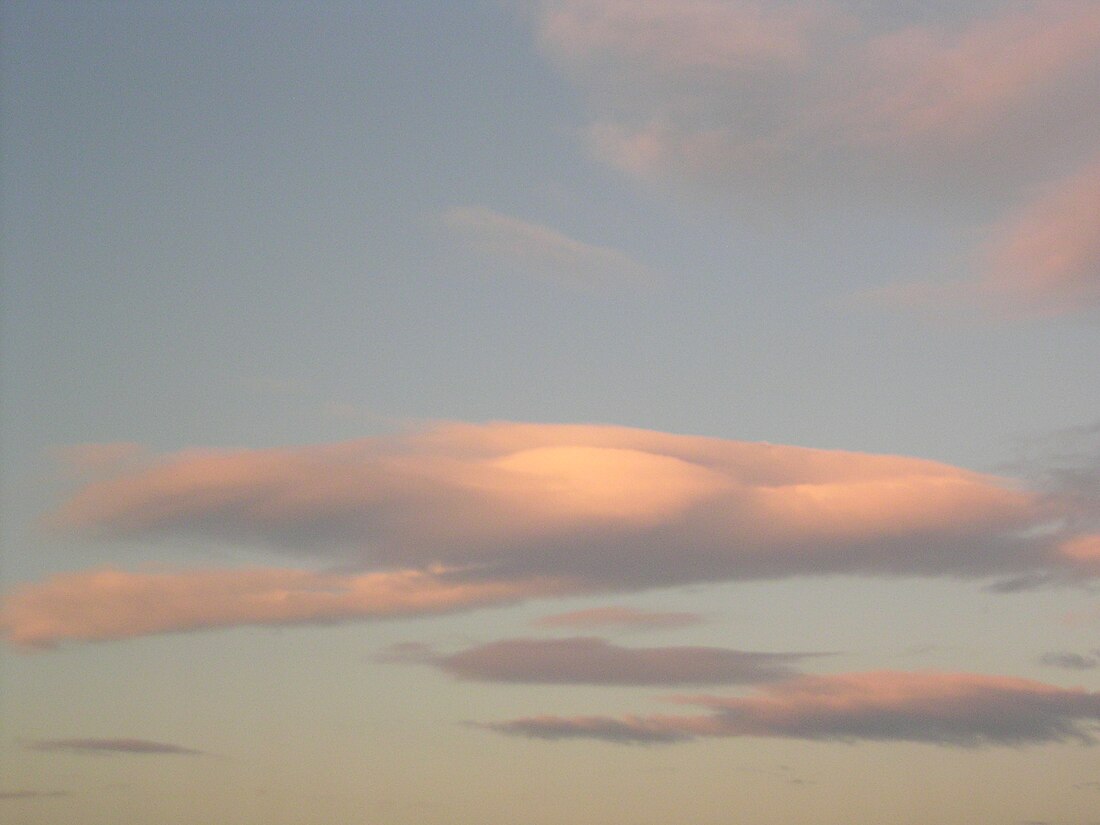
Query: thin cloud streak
(954, 709)
(592, 661)
(102, 605)
(531, 249)
(139, 747)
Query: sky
(558, 411)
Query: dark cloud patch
(592, 661)
(1070, 661)
(937, 708)
(628, 731)
(142, 747)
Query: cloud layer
(101, 605)
(459, 516)
(803, 99)
(703, 88)
(141, 747)
(938, 708)
(592, 661)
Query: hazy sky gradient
(567, 411)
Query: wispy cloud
(102, 605)
(140, 747)
(530, 249)
(32, 794)
(513, 511)
(594, 661)
(704, 89)
(938, 708)
(615, 616)
(1045, 258)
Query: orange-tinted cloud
(613, 506)
(594, 661)
(99, 605)
(619, 616)
(521, 510)
(939, 708)
(1046, 257)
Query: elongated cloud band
(101, 605)
(520, 510)
(533, 249)
(597, 662)
(609, 505)
(141, 747)
(939, 708)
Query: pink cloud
(621, 616)
(597, 662)
(778, 94)
(696, 36)
(1046, 256)
(938, 708)
(459, 515)
(106, 604)
(609, 505)
(955, 85)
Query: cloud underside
(459, 516)
(796, 98)
(597, 662)
(936, 708)
(140, 747)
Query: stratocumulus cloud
(594, 661)
(938, 708)
(459, 516)
(101, 605)
(140, 747)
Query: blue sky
(344, 344)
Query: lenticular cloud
(459, 516)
